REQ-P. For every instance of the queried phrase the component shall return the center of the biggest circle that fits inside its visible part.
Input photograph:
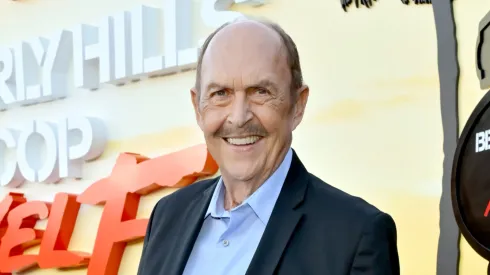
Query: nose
(240, 112)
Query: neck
(237, 191)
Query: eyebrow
(262, 83)
(214, 85)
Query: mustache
(246, 130)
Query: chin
(239, 173)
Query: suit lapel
(192, 223)
(285, 217)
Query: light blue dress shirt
(228, 239)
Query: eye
(261, 91)
(220, 93)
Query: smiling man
(265, 214)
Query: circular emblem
(470, 183)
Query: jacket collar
(285, 217)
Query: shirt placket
(235, 219)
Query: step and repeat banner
(96, 121)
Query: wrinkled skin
(245, 93)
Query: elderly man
(265, 214)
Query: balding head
(248, 98)
(244, 29)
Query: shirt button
(226, 243)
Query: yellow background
(372, 126)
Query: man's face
(245, 105)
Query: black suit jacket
(314, 229)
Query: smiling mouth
(242, 141)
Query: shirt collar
(262, 201)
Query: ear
(300, 105)
(195, 104)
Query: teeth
(243, 141)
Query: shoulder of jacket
(330, 196)
(187, 193)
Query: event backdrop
(373, 125)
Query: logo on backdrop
(470, 192)
(470, 176)
(482, 141)
(133, 176)
(67, 145)
(122, 48)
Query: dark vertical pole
(448, 253)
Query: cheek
(272, 119)
(212, 120)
